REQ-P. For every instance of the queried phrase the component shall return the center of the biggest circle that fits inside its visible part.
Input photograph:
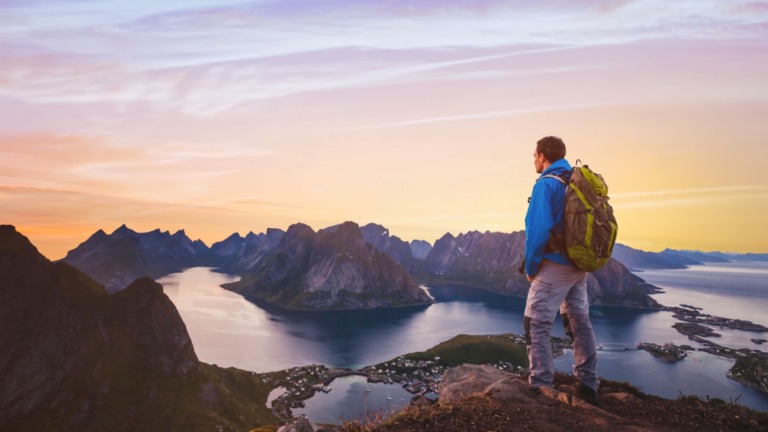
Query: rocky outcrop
(491, 261)
(117, 259)
(334, 268)
(75, 358)
(549, 405)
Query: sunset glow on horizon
(218, 117)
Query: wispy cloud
(708, 190)
(474, 116)
(689, 197)
(203, 57)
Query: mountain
(756, 257)
(117, 259)
(239, 255)
(485, 260)
(397, 249)
(420, 248)
(692, 257)
(75, 358)
(491, 261)
(635, 259)
(334, 268)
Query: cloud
(708, 190)
(203, 57)
(474, 116)
(688, 197)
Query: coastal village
(419, 376)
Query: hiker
(555, 282)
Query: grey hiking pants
(561, 287)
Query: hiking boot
(582, 392)
(586, 394)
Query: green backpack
(590, 227)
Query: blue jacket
(545, 216)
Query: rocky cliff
(334, 268)
(491, 261)
(115, 260)
(74, 357)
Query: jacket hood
(559, 167)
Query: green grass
(476, 350)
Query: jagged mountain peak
(235, 236)
(376, 228)
(122, 230)
(13, 242)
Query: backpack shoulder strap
(558, 178)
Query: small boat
(388, 396)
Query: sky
(218, 117)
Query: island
(693, 314)
(692, 329)
(668, 353)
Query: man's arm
(539, 222)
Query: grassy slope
(476, 350)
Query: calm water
(230, 331)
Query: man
(555, 282)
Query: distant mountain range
(76, 358)
(348, 266)
(636, 259)
(118, 259)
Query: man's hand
(530, 278)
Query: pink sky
(220, 118)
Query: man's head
(548, 150)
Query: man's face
(538, 162)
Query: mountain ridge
(119, 258)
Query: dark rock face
(118, 259)
(334, 268)
(154, 324)
(56, 322)
(491, 261)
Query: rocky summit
(334, 268)
(75, 358)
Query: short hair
(552, 147)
